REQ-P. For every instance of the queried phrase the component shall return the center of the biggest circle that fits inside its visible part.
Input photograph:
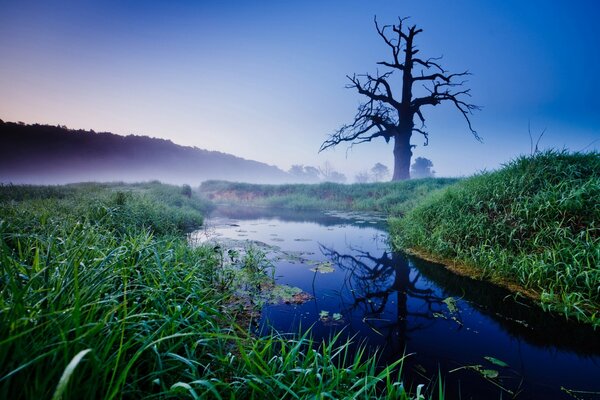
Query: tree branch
(371, 121)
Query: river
(486, 343)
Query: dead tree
(384, 115)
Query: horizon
(223, 77)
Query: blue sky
(265, 80)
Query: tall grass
(535, 222)
(101, 297)
(390, 197)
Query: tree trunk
(402, 156)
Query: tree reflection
(375, 283)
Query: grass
(394, 198)
(535, 222)
(102, 297)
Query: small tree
(362, 177)
(380, 172)
(421, 168)
(329, 174)
(186, 190)
(304, 173)
(311, 173)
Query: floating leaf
(323, 268)
(496, 361)
(337, 316)
(301, 298)
(284, 293)
(489, 373)
(324, 314)
(451, 304)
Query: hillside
(45, 154)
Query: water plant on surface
(536, 222)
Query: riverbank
(392, 198)
(101, 296)
(534, 223)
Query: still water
(486, 343)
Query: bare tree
(304, 173)
(383, 115)
(380, 171)
(329, 174)
(362, 177)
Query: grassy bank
(535, 222)
(101, 297)
(394, 198)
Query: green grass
(394, 198)
(102, 297)
(535, 222)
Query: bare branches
(384, 115)
(394, 44)
(375, 118)
(372, 88)
(371, 121)
(444, 89)
(429, 63)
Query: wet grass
(393, 198)
(535, 222)
(102, 297)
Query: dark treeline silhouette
(54, 154)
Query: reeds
(101, 297)
(394, 198)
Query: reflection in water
(373, 281)
(517, 315)
(287, 215)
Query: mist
(44, 154)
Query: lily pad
(451, 304)
(301, 298)
(323, 268)
(284, 293)
(489, 373)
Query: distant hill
(52, 154)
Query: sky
(265, 80)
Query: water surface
(486, 343)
